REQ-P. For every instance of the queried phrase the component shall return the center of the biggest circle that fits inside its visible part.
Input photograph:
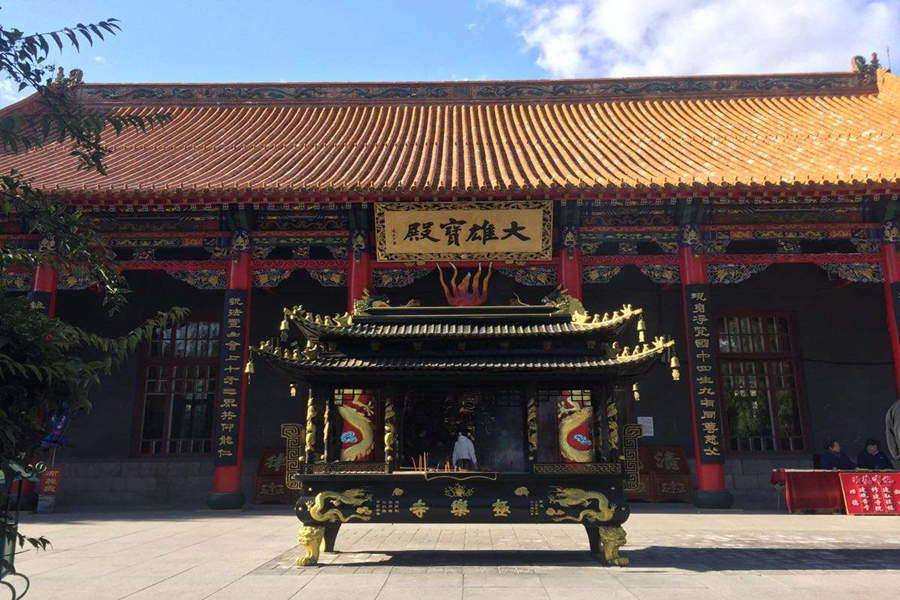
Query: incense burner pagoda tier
(534, 386)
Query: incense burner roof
(557, 339)
(404, 322)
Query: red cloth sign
(49, 481)
(871, 493)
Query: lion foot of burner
(311, 537)
(611, 539)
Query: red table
(810, 490)
(815, 490)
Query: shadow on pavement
(669, 557)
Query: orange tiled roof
(491, 137)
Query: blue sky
(268, 40)
(392, 40)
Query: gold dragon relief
(358, 431)
(576, 497)
(575, 443)
(356, 497)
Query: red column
(710, 473)
(890, 266)
(43, 289)
(360, 276)
(570, 271)
(43, 292)
(227, 478)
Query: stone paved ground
(675, 553)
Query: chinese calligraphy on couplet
(228, 407)
(463, 230)
(703, 374)
(871, 493)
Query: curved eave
(606, 325)
(626, 364)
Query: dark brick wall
(841, 333)
(845, 353)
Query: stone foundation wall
(142, 482)
(188, 482)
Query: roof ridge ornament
(866, 72)
(567, 304)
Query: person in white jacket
(464, 453)
(892, 430)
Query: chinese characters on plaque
(703, 373)
(228, 408)
(871, 493)
(463, 230)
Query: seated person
(833, 458)
(872, 457)
(464, 453)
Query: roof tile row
(495, 147)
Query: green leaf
(72, 38)
(56, 39)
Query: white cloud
(595, 38)
(9, 92)
(100, 59)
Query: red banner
(875, 493)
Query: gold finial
(249, 369)
(636, 390)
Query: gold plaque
(503, 231)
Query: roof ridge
(690, 86)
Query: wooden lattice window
(759, 379)
(179, 389)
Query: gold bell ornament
(293, 391)
(285, 327)
(673, 364)
(636, 391)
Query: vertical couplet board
(703, 373)
(228, 405)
